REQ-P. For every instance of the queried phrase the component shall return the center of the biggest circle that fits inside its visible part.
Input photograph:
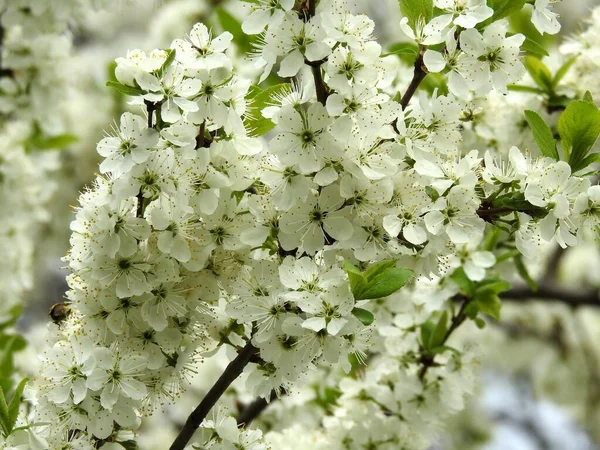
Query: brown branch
(233, 370)
(571, 297)
(320, 88)
(254, 409)
(419, 75)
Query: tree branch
(254, 409)
(571, 297)
(233, 370)
(418, 76)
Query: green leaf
(524, 273)
(406, 51)
(258, 99)
(492, 285)
(542, 134)
(378, 268)
(9, 317)
(539, 72)
(4, 415)
(357, 279)
(441, 349)
(427, 329)
(480, 323)
(589, 159)
(15, 402)
(365, 317)
(579, 127)
(502, 8)
(467, 287)
(562, 71)
(588, 97)
(231, 24)
(529, 89)
(416, 9)
(125, 90)
(531, 47)
(384, 284)
(52, 142)
(439, 333)
(489, 303)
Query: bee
(59, 312)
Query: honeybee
(59, 312)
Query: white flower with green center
(455, 215)
(130, 146)
(452, 58)
(66, 368)
(266, 12)
(304, 139)
(543, 18)
(128, 275)
(116, 376)
(409, 204)
(172, 90)
(176, 225)
(492, 58)
(295, 41)
(164, 301)
(307, 224)
(201, 50)
(466, 13)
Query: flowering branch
(419, 75)
(233, 370)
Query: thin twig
(233, 370)
(418, 76)
(254, 409)
(427, 360)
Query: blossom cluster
(200, 233)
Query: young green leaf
(15, 403)
(58, 142)
(588, 97)
(542, 134)
(528, 89)
(170, 58)
(427, 329)
(365, 317)
(258, 100)
(531, 47)
(489, 303)
(378, 268)
(461, 279)
(562, 71)
(439, 333)
(502, 8)
(539, 72)
(4, 415)
(414, 10)
(357, 279)
(524, 273)
(579, 127)
(384, 284)
(125, 90)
